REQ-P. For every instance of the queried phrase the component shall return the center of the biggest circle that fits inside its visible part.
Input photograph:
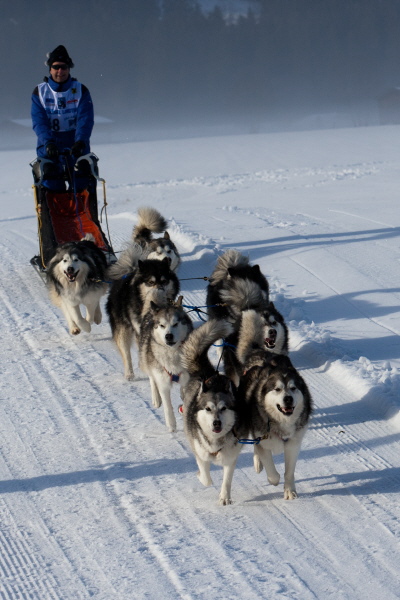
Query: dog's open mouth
(71, 276)
(170, 342)
(217, 429)
(270, 341)
(286, 410)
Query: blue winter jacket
(44, 120)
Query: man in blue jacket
(62, 118)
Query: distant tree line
(154, 59)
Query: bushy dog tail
(244, 294)
(127, 262)
(251, 335)
(195, 349)
(150, 221)
(230, 259)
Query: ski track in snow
(95, 530)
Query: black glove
(78, 148)
(52, 150)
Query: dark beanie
(59, 54)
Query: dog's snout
(216, 423)
(288, 401)
(70, 270)
(169, 337)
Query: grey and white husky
(151, 221)
(163, 331)
(275, 336)
(236, 286)
(136, 283)
(278, 402)
(211, 412)
(76, 275)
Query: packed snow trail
(99, 501)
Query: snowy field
(97, 499)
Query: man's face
(59, 72)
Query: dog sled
(70, 215)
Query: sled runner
(69, 215)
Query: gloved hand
(78, 148)
(52, 150)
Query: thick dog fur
(278, 402)
(162, 334)
(234, 286)
(150, 221)
(136, 283)
(76, 275)
(211, 413)
(238, 286)
(275, 333)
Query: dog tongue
(269, 342)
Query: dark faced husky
(162, 334)
(75, 276)
(135, 284)
(278, 403)
(211, 412)
(150, 221)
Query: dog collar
(173, 377)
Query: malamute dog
(275, 333)
(150, 221)
(136, 283)
(76, 275)
(234, 286)
(278, 403)
(162, 334)
(211, 412)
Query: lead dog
(278, 403)
(163, 332)
(75, 276)
(212, 420)
(136, 282)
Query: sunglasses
(62, 67)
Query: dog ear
(256, 269)
(166, 260)
(178, 303)
(166, 235)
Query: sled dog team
(259, 399)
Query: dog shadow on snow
(128, 471)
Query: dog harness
(173, 377)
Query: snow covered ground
(97, 499)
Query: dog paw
(206, 481)
(75, 331)
(258, 466)
(171, 427)
(224, 501)
(289, 494)
(156, 402)
(129, 376)
(274, 479)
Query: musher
(62, 118)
